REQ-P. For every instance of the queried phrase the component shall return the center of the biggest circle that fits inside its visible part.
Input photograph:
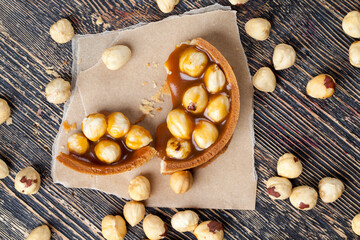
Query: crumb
(36, 130)
(146, 107)
(154, 84)
(144, 83)
(52, 72)
(65, 62)
(148, 64)
(107, 25)
(155, 65)
(66, 126)
(165, 89)
(38, 113)
(99, 21)
(9, 121)
(157, 97)
(159, 109)
(73, 126)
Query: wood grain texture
(324, 134)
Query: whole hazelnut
(113, 227)
(264, 80)
(58, 91)
(214, 79)
(139, 188)
(116, 56)
(330, 189)
(193, 62)
(181, 182)
(180, 124)
(303, 197)
(4, 170)
(238, 2)
(351, 24)
(4, 110)
(278, 188)
(205, 134)
(40, 233)
(354, 54)
(185, 221)
(209, 230)
(107, 151)
(138, 137)
(167, 6)
(322, 86)
(355, 223)
(27, 181)
(154, 227)
(284, 56)
(118, 125)
(289, 166)
(178, 148)
(218, 107)
(258, 28)
(94, 126)
(195, 99)
(78, 143)
(134, 212)
(62, 31)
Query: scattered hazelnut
(258, 28)
(284, 56)
(113, 227)
(303, 197)
(264, 80)
(118, 125)
(205, 134)
(185, 221)
(134, 212)
(58, 91)
(40, 233)
(289, 166)
(356, 224)
(322, 86)
(27, 181)
(107, 151)
(4, 110)
(94, 126)
(78, 143)
(181, 182)
(178, 148)
(167, 6)
(180, 124)
(218, 107)
(154, 227)
(62, 31)
(209, 230)
(4, 170)
(138, 137)
(195, 99)
(193, 62)
(330, 189)
(354, 54)
(214, 79)
(238, 2)
(116, 56)
(278, 188)
(139, 188)
(351, 24)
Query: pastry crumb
(157, 97)
(99, 21)
(159, 109)
(148, 64)
(154, 84)
(68, 127)
(144, 83)
(165, 89)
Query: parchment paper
(227, 183)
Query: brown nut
(4, 170)
(278, 188)
(238, 2)
(138, 137)
(214, 79)
(107, 151)
(58, 91)
(113, 227)
(218, 107)
(209, 230)
(193, 62)
(134, 212)
(78, 143)
(118, 125)
(154, 227)
(4, 110)
(322, 86)
(139, 188)
(181, 182)
(355, 223)
(258, 28)
(116, 56)
(178, 148)
(330, 189)
(303, 197)
(167, 6)
(62, 31)
(264, 80)
(205, 134)
(354, 54)
(289, 166)
(284, 56)
(27, 181)
(195, 99)
(351, 24)
(185, 221)
(180, 124)
(94, 126)
(40, 233)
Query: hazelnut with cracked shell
(258, 28)
(185, 221)
(289, 166)
(322, 86)
(218, 107)
(154, 227)
(284, 56)
(4, 110)
(195, 99)
(137, 137)
(303, 197)
(134, 212)
(58, 91)
(178, 148)
(209, 230)
(94, 126)
(107, 151)
(113, 227)
(278, 188)
(181, 182)
(139, 188)
(27, 181)
(118, 125)
(78, 143)
(116, 56)
(193, 62)
(180, 123)
(62, 31)
(40, 233)
(330, 189)
(205, 134)
(214, 79)
(351, 24)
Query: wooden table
(324, 134)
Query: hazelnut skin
(116, 56)
(94, 126)
(354, 54)
(193, 62)
(289, 166)
(138, 137)
(351, 24)
(330, 189)
(78, 143)
(4, 110)
(209, 230)
(264, 80)
(355, 223)
(218, 107)
(278, 188)
(205, 134)
(214, 79)
(195, 99)
(113, 227)
(107, 151)
(139, 188)
(40, 233)
(58, 91)
(178, 148)
(4, 170)
(154, 227)
(303, 197)
(180, 124)
(284, 56)
(322, 86)
(181, 182)
(118, 125)
(134, 212)
(258, 28)
(62, 31)
(167, 6)
(185, 221)
(27, 181)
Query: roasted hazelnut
(218, 107)
(27, 181)
(264, 80)
(40, 233)
(258, 28)
(107, 151)
(238, 2)
(116, 56)
(322, 86)
(195, 99)
(118, 125)
(78, 143)
(214, 79)
(62, 31)
(278, 188)
(178, 148)
(303, 197)
(351, 24)
(354, 54)
(4, 170)
(193, 62)
(154, 227)
(355, 223)
(4, 110)
(205, 134)
(185, 221)
(289, 166)
(180, 124)
(134, 212)
(113, 227)
(330, 189)
(138, 137)
(209, 230)
(284, 56)
(181, 182)
(139, 188)
(167, 6)
(58, 91)
(94, 126)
